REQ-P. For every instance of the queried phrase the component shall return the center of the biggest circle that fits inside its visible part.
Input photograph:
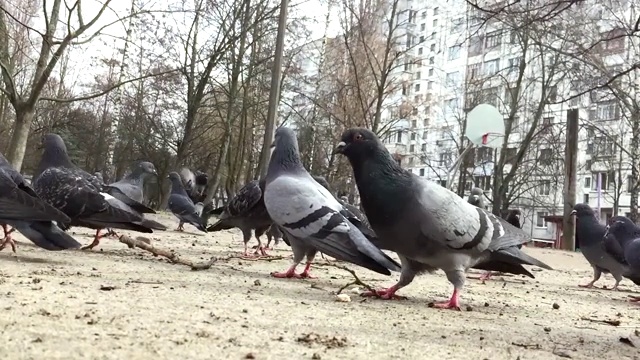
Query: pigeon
(98, 175)
(427, 225)
(590, 236)
(622, 242)
(274, 234)
(513, 218)
(182, 206)
(310, 217)
(476, 198)
(195, 183)
(247, 212)
(21, 208)
(132, 185)
(81, 197)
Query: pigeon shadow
(30, 259)
(188, 233)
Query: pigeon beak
(573, 212)
(606, 231)
(340, 148)
(474, 197)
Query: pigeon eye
(358, 137)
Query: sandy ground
(118, 303)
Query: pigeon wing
(611, 246)
(246, 198)
(305, 209)
(16, 204)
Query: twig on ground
(145, 244)
(527, 346)
(257, 258)
(607, 322)
(356, 279)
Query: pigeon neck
(177, 188)
(54, 157)
(286, 159)
(137, 176)
(379, 178)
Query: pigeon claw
(286, 275)
(95, 242)
(8, 240)
(385, 294)
(451, 304)
(634, 299)
(587, 286)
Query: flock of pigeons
(426, 225)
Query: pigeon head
(147, 167)
(621, 227)
(285, 153)
(582, 210)
(358, 144)
(55, 153)
(174, 176)
(475, 197)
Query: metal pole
(454, 169)
(274, 93)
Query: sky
(83, 59)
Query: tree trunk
(635, 162)
(20, 135)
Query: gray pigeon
(99, 176)
(622, 242)
(476, 198)
(274, 234)
(21, 208)
(590, 237)
(79, 195)
(310, 217)
(132, 185)
(181, 205)
(429, 226)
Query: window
(442, 183)
(602, 146)
(607, 110)
(493, 40)
(513, 37)
(417, 87)
(553, 94)
(412, 148)
(436, 10)
(422, 172)
(545, 156)
(424, 15)
(456, 24)
(540, 221)
(544, 187)
(630, 183)
(482, 182)
(423, 147)
(451, 105)
(420, 51)
(453, 53)
(514, 64)
(475, 46)
(585, 199)
(414, 124)
(435, 22)
(547, 122)
(423, 27)
(444, 159)
(587, 182)
(418, 75)
(452, 78)
(510, 155)
(473, 71)
(421, 39)
(432, 60)
(615, 41)
(399, 136)
(413, 135)
(431, 72)
(432, 48)
(607, 180)
(491, 67)
(484, 154)
(430, 85)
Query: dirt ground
(120, 303)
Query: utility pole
(570, 181)
(274, 93)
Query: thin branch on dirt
(356, 279)
(527, 346)
(258, 258)
(144, 244)
(607, 322)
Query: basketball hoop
(485, 137)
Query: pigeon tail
(515, 256)
(152, 224)
(46, 235)
(220, 225)
(217, 211)
(118, 194)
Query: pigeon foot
(634, 299)
(451, 304)
(305, 273)
(8, 240)
(95, 242)
(286, 275)
(385, 294)
(486, 276)
(587, 286)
